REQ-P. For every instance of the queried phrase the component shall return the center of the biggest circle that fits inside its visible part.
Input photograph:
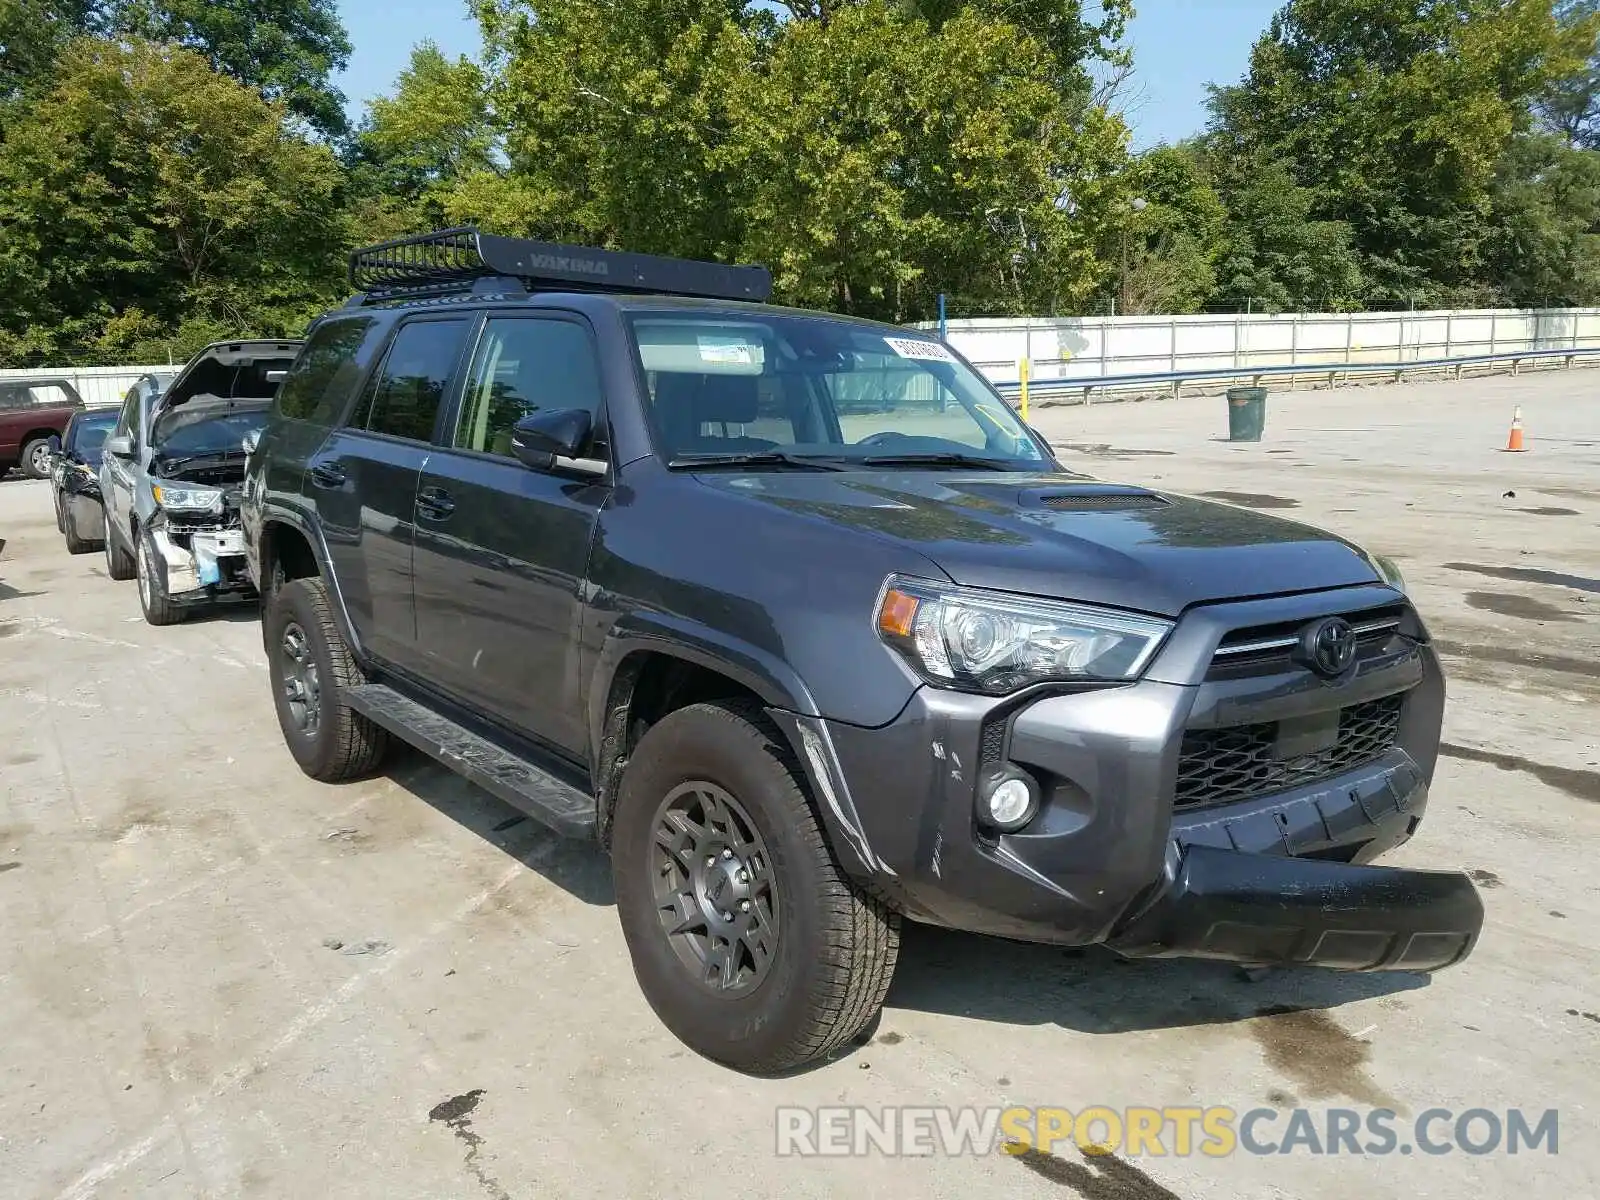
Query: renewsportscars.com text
(1178, 1132)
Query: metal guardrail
(1054, 389)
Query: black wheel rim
(302, 688)
(714, 889)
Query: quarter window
(325, 374)
(525, 365)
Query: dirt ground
(218, 978)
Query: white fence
(1085, 348)
(99, 386)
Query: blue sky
(1179, 47)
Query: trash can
(1247, 413)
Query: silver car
(171, 473)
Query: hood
(1069, 537)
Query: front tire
(312, 672)
(75, 543)
(748, 940)
(119, 563)
(152, 574)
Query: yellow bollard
(1023, 370)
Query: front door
(502, 549)
(363, 482)
(117, 473)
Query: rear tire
(35, 462)
(714, 837)
(153, 597)
(312, 672)
(119, 563)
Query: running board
(545, 798)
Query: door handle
(435, 503)
(328, 474)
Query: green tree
(32, 33)
(1396, 113)
(873, 153)
(288, 50)
(1571, 105)
(145, 193)
(1167, 238)
(1544, 248)
(415, 147)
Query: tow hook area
(1265, 910)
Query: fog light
(1008, 802)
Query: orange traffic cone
(1514, 443)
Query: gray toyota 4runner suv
(794, 615)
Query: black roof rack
(456, 260)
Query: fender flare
(766, 675)
(312, 534)
(788, 702)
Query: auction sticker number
(920, 348)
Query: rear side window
(323, 376)
(404, 397)
(49, 394)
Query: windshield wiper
(938, 458)
(182, 460)
(756, 458)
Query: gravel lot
(218, 978)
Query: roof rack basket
(455, 260)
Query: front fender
(289, 519)
(664, 633)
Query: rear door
(501, 549)
(363, 480)
(315, 395)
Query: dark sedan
(75, 479)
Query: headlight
(995, 643)
(1388, 571)
(188, 499)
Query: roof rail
(453, 260)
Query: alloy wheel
(302, 686)
(713, 883)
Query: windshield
(89, 434)
(808, 387)
(194, 430)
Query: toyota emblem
(1330, 646)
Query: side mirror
(540, 438)
(251, 441)
(121, 446)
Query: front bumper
(201, 565)
(1110, 858)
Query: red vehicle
(33, 415)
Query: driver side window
(525, 365)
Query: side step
(546, 799)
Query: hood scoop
(1091, 499)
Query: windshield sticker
(919, 348)
(723, 351)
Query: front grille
(1265, 649)
(1222, 766)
